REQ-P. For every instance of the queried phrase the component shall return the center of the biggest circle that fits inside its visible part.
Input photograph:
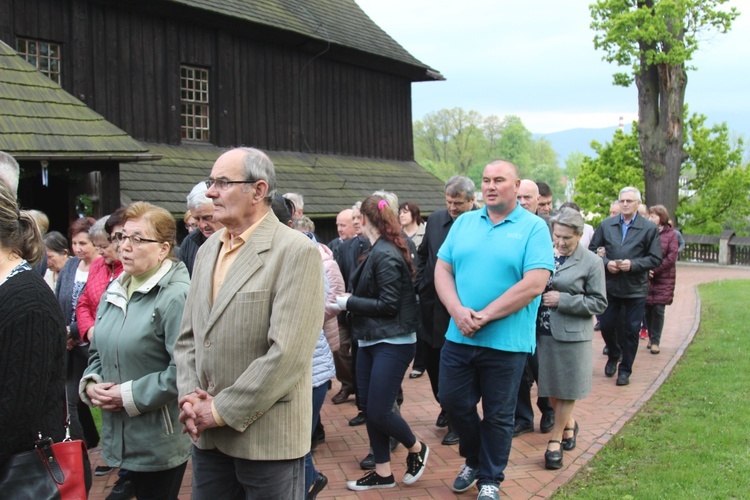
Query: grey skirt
(565, 368)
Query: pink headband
(382, 204)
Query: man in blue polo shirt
(490, 272)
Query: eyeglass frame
(135, 240)
(223, 184)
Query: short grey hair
(630, 189)
(9, 171)
(389, 198)
(569, 217)
(197, 197)
(98, 230)
(256, 165)
(304, 223)
(297, 199)
(459, 185)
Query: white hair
(197, 196)
(9, 171)
(631, 189)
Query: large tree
(657, 39)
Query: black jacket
(435, 317)
(189, 248)
(642, 246)
(383, 303)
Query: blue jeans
(318, 397)
(219, 476)
(621, 335)
(468, 374)
(380, 371)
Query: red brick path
(601, 415)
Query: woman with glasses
(131, 374)
(103, 271)
(70, 285)
(56, 248)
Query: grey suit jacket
(252, 349)
(583, 293)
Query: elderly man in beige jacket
(244, 354)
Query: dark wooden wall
(125, 65)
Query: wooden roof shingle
(340, 22)
(39, 120)
(329, 183)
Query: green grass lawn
(692, 439)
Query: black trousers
(621, 333)
(524, 411)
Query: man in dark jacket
(459, 198)
(202, 210)
(631, 249)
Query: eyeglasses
(191, 227)
(223, 184)
(134, 239)
(623, 202)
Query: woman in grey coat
(565, 329)
(131, 374)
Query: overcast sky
(536, 59)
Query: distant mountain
(578, 139)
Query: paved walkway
(601, 415)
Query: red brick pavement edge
(601, 415)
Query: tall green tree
(716, 195)
(449, 141)
(656, 40)
(617, 164)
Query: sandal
(570, 443)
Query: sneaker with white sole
(489, 492)
(465, 480)
(371, 481)
(415, 464)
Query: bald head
(528, 195)
(345, 224)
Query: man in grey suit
(631, 249)
(244, 354)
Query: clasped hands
(614, 266)
(196, 414)
(105, 395)
(468, 321)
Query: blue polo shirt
(487, 260)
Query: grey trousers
(219, 476)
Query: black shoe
(605, 351)
(358, 420)
(442, 420)
(610, 368)
(553, 459)
(450, 439)
(123, 489)
(103, 470)
(623, 379)
(371, 481)
(598, 327)
(317, 486)
(547, 422)
(394, 444)
(521, 429)
(416, 373)
(570, 443)
(368, 463)
(415, 464)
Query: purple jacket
(661, 286)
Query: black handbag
(60, 471)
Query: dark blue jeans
(468, 374)
(380, 371)
(318, 397)
(621, 324)
(219, 476)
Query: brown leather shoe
(341, 397)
